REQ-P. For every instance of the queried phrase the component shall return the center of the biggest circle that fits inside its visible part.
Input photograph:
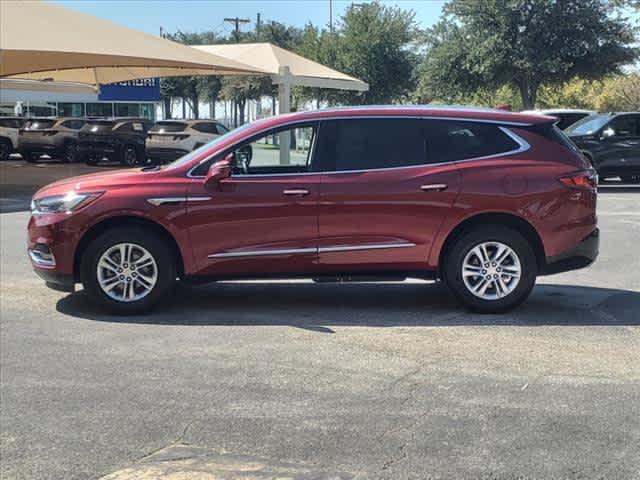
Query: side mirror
(609, 132)
(218, 171)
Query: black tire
(70, 152)
(453, 260)
(91, 160)
(159, 250)
(130, 156)
(31, 157)
(5, 149)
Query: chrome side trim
(263, 253)
(290, 251)
(378, 246)
(320, 120)
(167, 200)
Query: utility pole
(258, 24)
(237, 21)
(330, 16)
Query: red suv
(484, 200)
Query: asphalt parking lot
(297, 380)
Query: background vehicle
(56, 137)
(171, 139)
(611, 141)
(483, 199)
(566, 116)
(9, 130)
(116, 139)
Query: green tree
(373, 44)
(525, 43)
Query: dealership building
(135, 98)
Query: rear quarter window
(450, 141)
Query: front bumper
(580, 256)
(62, 282)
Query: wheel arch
(126, 220)
(515, 222)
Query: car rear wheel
(130, 156)
(490, 269)
(128, 270)
(70, 154)
(91, 160)
(30, 157)
(5, 149)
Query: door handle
(297, 192)
(434, 187)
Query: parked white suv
(171, 139)
(9, 130)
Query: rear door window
(39, 124)
(451, 140)
(168, 127)
(371, 143)
(206, 127)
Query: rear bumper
(580, 256)
(40, 148)
(165, 154)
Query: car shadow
(319, 307)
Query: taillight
(582, 180)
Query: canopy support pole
(284, 106)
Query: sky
(200, 15)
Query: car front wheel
(490, 269)
(128, 270)
(129, 156)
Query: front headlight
(63, 203)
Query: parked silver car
(9, 127)
(56, 137)
(171, 139)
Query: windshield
(588, 125)
(218, 140)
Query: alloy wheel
(70, 152)
(5, 151)
(127, 272)
(130, 156)
(491, 270)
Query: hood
(95, 182)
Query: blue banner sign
(142, 90)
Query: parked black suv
(56, 137)
(611, 141)
(117, 139)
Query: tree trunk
(184, 108)
(212, 108)
(528, 92)
(195, 107)
(241, 105)
(167, 101)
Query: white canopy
(43, 41)
(276, 61)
